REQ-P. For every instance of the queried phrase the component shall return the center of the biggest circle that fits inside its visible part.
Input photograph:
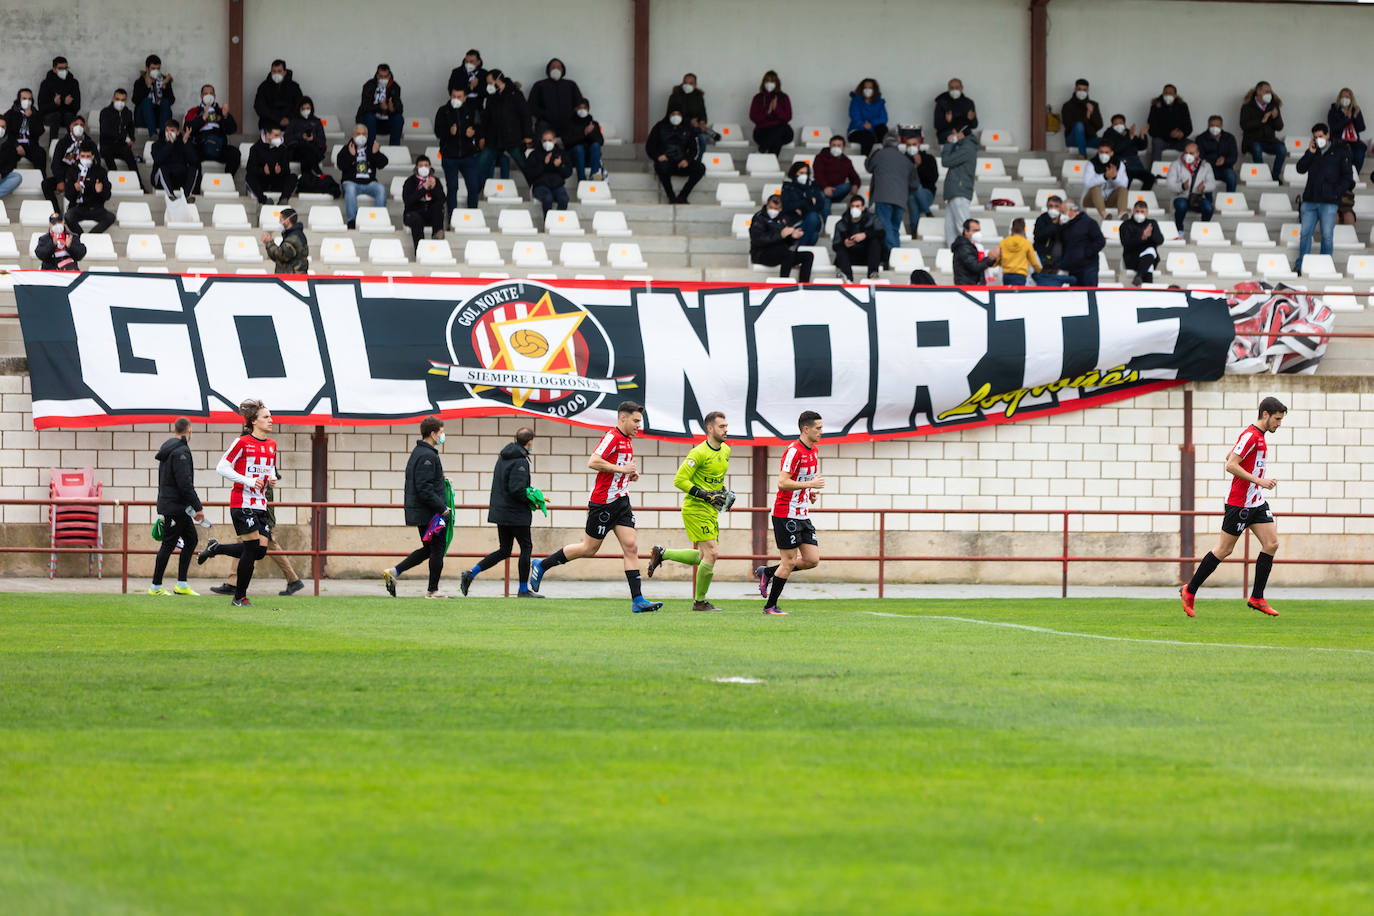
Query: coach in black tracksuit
(176, 493)
(509, 510)
(424, 499)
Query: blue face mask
(441, 438)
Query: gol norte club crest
(530, 347)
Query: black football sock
(557, 558)
(246, 560)
(771, 571)
(1263, 563)
(230, 550)
(1205, 568)
(776, 591)
(632, 576)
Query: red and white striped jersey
(802, 464)
(249, 457)
(618, 449)
(1252, 449)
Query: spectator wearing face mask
(88, 188)
(278, 98)
(26, 131)
(59, 96)
(1261, 127)
(1140, 241)
(553, 100)
(269, 168)
(1082, 241)
(360, 163)
(176, 169)
(689, 99)
(508, 124)
(919, 202)
(954, 110)
(1192, 184)
(471, 77)
(1045, 236)
(1346, 121)
(423, 196)
(1171, 123)
(59, 249)
(153, 96)
(292, 254)
(117, 135)
(867, 115)
(306, 145)
(858, 239)
(1126, 144)
(212, 129)
(458, 128)
(548, 170)
(1081, 117)
(1105, 183)
(65, 153)
(771, 112)
(835, 174)
(971, 262)
(1329, 175)
(380, 108)
(803, 204)
(1218, 149)
(894, 181)
(9, 161)
(584, 139)
(773, 241)
(960, 157)
(673, 149)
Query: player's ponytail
(249, 410)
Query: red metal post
(1039, 31)
(640, 65)
(507, 591)
(882, 550)
(1064, 581)
(124, 553)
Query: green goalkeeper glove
(536, 498)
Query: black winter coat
(508, 119)
(548, 170)
(969, 269)
(348, 165)
(87, 195)
(9, 157)
(1253, 127)
(424, 492)
(414, 197)
(575, 133)
(368, 104)
(176, 478)
(175, 160)
(46, 252)
(52, 86)
(116, 128)
(474, 84)
(509, 504)
(1124, 145)
(277, 102)
(1222, 146)
(928, 171)
(1131, 242)
(765, 234)
(677, 143)
(553, 101)
(14, 120)
(1337, 119)
(1045, 238)
(142, 90)
(1082, 239)
(459, 145)
(965, 115)
(869, 224)
(313, 149)
(263, 153)
(1165, 118)
(1328, 174)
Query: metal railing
(318, 524)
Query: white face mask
(1054, 214)
(86, 163)
(360, 141)
(548, 146)
(1188, 158)
(61, 74)
(955, 93)
(1119, 128)
(555, 74)
(836, 150)
(422, 171)
(57, 229)
(77, 130)
(171, 138)
(1064, 216)
(26, 104)
(856, 212)
(305, 112)
(154, 73)
(491, 89)
(583, 113)
(208, 99)
(1345, 101)
(118, 104)
(901, 147)
(1081, 94)
(773, 214)
(675, 120)
(469, 66)
(868, 92)
(382, 80)
(803, 178)
(1267, 98)
(1214, 131)
(769, 86)
(1168, 100)
(455, 103)
(688, 88)
(278, 77)
(275, 141)
(1104, 157)
(1321, 143)
(1138, 216)
(2, 133)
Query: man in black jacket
(511, 511)
(212, 129)
(1329, 175)
(1045, 237)
(176, 169)
(971, 264)
(471, 77)
(25, 129)
(1140, 241)
(179, 507)
(269, 168)
(458, 128)
(1082, 239)
(59, 249)
(59, 96)
(423, 198)
(1218, 148)
(278, 98)
(1171, 123)
(117, 135)
(426, 508)
(548, 171)
(1126, 143)
(858, 238)
(381, 108)
(507, 118)
(554, 98)
(773, 243)
(360, 167)
(672, 145)
(9, 160)
(64, 156)
(954, 110)
(88, 188)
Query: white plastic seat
(435, 253)
(776, 188)
(530, 254)
(905, 260)
(325, 218)
(731, 135)
(230, 216)
(987, 230)
(944, 261)
(720, 165)
(125, 184)
(374, 219)
(397, 187)
(398, 157)
(483, 253)
(1184, 264)
(1230, 204)
(516, 221)
(251, 271)
(1072, 170)
(217, 185)
(1207, 235)
(762, 165)
(577, 254)
(1150, 201)
(1345, 239)
(500, 190)
(1276, 204)
(386, 252)
(144, 247)
(610, 224)
(338, 250)
(931, 230)
(999, 139)
(1297, 144)
(193, 248)
(563, 222)
(1229, 265)
(1111, 230)
(1291, 178)
(1018, 204)
(1253, 234)
(242, 249)
(269, 217)
(1255, 175)
(99, 246)
(469, 222)
(1034, 171)
(1290, 234)
(1159, 168)
(815, 136)
(9, 248)
(1274, 267)
(1043, 195)
(625, 256)
(190, 219)
(595, 192)
(739, 225)
(422, 126)
(728, 194)
(134, 214)
(991, 168)
(1341, 303)
(4, 215)
(37, 212)
(30, 182)
(1364, 206)
(1320, 267)
(1360, 267)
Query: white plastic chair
(1184, 264)
(577, 255)
(1275, 204)
(1251, 234)
(625, 256)
(816, 136)
(134, 214)
(194, 249)
(739, 225)
(728, 194)
(1018, 204)
(374, 219)
(338, 250)
(325, 218)
(483, 253)
(242, 249)
(1256, 175)
(1274, 267)
(1320, 267)
(469, 222)
(1207, 235)
(387, 252)
(1043, 195)
(99, 246)
(595, 192)
(37, 212)
(762, 165)
(1345, 239)
(720, 165)
(999, 139)
(516, 221)
(217, 185)
(144, 247)
(731, 135)
(230, 217)
(990, 168)
(610, 224)
(501, 191)
(1360, 267)
(1034, 171)
(435, 253)
(563, 222)
(530, 254)
(1229, 265)
(125, 184)
(1229, 204)
(192, 219)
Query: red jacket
(832, 171)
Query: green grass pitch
(354, 755)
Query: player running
(608, 507)
(1246, 507)
(702, 478)
(799, 485)
(251, 463)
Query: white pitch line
(1158, 642)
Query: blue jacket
(801, 199)
(874, 112)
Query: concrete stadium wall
(1121, 457)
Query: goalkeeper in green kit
(702, 478)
